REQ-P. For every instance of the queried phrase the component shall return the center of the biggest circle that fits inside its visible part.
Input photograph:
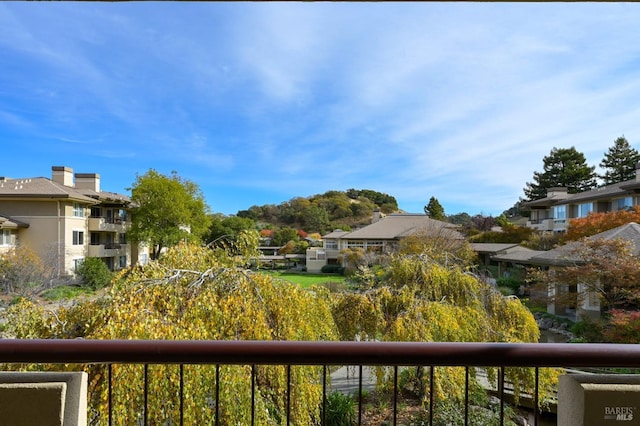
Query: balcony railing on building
(103, 357)
(108, 224)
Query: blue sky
(258, 103)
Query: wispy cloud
(456, 100)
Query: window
(331, 245)
(559, 213)
(123, 261)
(77, 263)
(584, 209)
(623, 203)
(5, 237)
(96, 212)
(122, 215)
(78, 210)
(374, 246)
(354, 244)
(78, 238)
(317, 255)
(122, 238)
(95, 239)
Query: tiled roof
(396, 226)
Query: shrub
(94, 273)
(623, 327)
(510, 282)
(588, 330)
(332, 269)
(341, 410)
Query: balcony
(108, 250)
(541, 224)
(108, 224)
(102, 358)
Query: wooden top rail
(318, 353)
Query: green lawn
(305, 280)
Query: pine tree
(619, 162)
(563, 167)
(434, 209)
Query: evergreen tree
(563, 167)
(434, 209)
(619, 162)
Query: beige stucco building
(67, 218)
(554, 212)
(382, 235)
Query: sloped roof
(40, 187)
(516, 254)
(337, 233)
(396, 226)
(491, 247)
(7, 222)
(629, 232)
(608, 191)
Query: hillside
(324, 212)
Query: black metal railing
(324, 354)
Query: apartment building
(67, 218)
(553, 212)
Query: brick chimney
(62, 175)
(88, 181)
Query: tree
(193, 293)
(434, 209)
(563, 167)
(459, 218)
(422, 300)
(619, 162)
(283, 235)
(482, 223)
(22, 271)
(605, 268)
(227, 228)
(169, 209)
(596, 223)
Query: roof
(629, 232)
(491, 248)
(609, 191)
(40, 187)
(7, 222)
(516, 254)
(396, 226)
(338, 233)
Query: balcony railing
(108, 250)
(291, 353)
(108, 224)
